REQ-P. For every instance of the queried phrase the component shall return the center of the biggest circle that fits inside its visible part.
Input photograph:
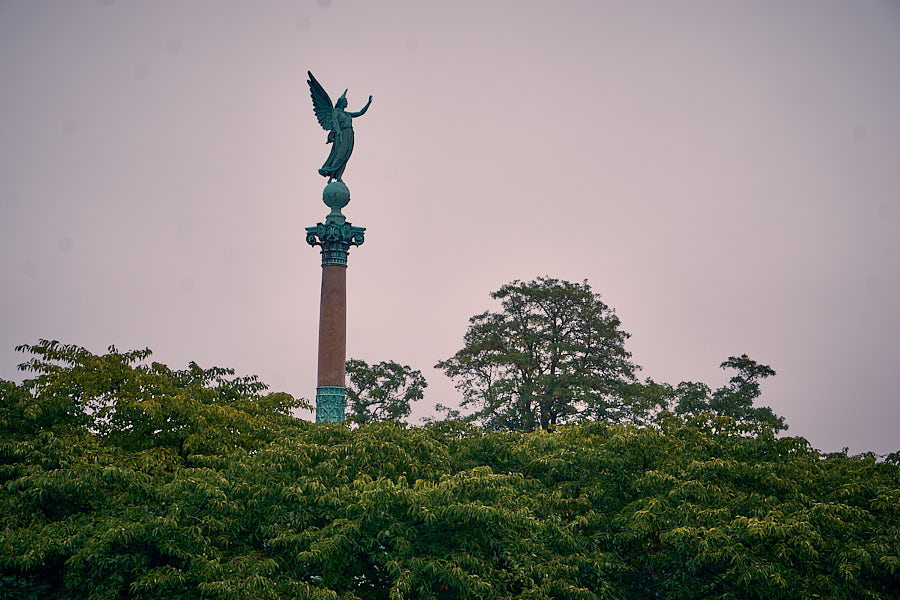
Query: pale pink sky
(725, 174)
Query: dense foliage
(125, 481)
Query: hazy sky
(725, 174)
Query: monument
(335, 236)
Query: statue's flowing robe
(341, 147)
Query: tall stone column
(335, 236)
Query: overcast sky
(725, 174)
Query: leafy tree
(383, 391)
(734, 400)
(138, 405)
(553, 352)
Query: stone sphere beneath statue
(336, 195)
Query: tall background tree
(383, 391)
(553, 352)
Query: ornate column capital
(335, 237)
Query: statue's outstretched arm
(364, 109)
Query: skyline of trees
(554, 353)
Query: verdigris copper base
(331, 401)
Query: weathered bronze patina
(339, 125)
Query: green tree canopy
(137, 405)
(232, 498)
(383, 391)
(553, 352)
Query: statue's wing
(321, 102)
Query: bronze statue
(339, 125)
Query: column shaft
(333, 326)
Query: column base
(331, 401)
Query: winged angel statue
(339, 125)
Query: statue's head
(342, 101)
